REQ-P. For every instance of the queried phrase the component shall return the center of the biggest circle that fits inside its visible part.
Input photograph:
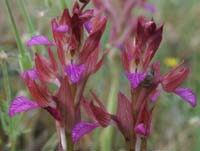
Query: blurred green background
(175, 127)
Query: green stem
(26, 17)
(14, 27)
(6, 81)
(29, 24)
(23, 56)
(12, 139)
(13, 144)
(69, 142)
(107, 134)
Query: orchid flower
(137, 55)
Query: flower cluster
(57, 82)
(133, 117)
(68, 71)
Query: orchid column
(68, 71)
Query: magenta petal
(149, 7)
(74, 72)
(21, 104)
(39, 40)
(81, 129)
(135, 78)
(140, 129)
(187, 95)
(32, 73)
(60, 28)
(88, 26)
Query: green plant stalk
(17, 36)
(13, 143)
(23, 56)
(96, 133)
(26, 17)
(7, 89)
(107, 135)
(51, 144)
(196, 145)
(29, 24)
(6, 81)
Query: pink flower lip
(81, 129)
(21, 104)
(39, 40)
(74, 72)
(135, 78)
(187, 95)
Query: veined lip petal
(60, 28)
(81, 129)
(21, 104)
(187, 95)
(88, 26)
(39, 40)
(135, 78)
(74, 72)
(32, 73)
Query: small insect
(148, 81)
